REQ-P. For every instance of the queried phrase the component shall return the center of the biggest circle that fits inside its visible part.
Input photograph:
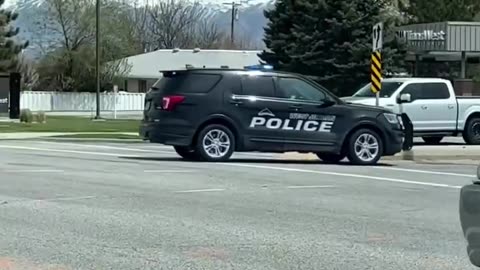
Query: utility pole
(97, 64)
(234, 18)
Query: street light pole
(97, 55)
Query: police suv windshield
(388, 88)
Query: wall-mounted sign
(425, 35)
(429, 35)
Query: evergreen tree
(328, 39)
(428, 11)
(9, 47)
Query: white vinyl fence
(80, 102)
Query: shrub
(26, 116)
(41, 117)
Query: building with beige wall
(145, 68)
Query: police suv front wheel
(365, 147)
(215, 143)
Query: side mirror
(405, 98)
(327, 103)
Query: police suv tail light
(391, 118)
(170, 102)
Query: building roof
(149, 65)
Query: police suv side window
(296, 89)
(261, 86)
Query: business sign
(4, 94)
(425, 35)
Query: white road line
(32, 171)
(66, 151)
(426, 172)
(200, 190)
(168, 171)
(67, 199)
(298, 187)
(361, 176)
(108, 147)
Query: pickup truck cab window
(296, 89)
(427, 91)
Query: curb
(419, 158)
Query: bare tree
(26, 67)
(72, 21)
(208, 35)
(138, 21)
(172, 22)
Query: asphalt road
(137, 206)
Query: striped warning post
(376, 72)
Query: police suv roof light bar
(259, 67)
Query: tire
(225, 143)
(356, 151)
(432, 140)
(186, 152)
(471, 134)
(330, 158)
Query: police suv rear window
(185, 82)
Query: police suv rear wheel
(365, 147)
(186, 152)
(215, 143)
(330, 158)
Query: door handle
(295, 107)
(236, 102)
(451, 106)
(424, 107)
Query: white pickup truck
(433, 108)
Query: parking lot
(74, 205)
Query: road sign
(377, 37)
(376, 72)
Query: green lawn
(72, 124)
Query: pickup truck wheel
(215, 143)
(432, 140)
(186, 152)
(330, 158)
(365, 147)
(471, 134)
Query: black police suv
(470, 218)
(207, 114)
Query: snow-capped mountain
(250, 24)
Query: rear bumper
(166, 133)
(470, 220)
